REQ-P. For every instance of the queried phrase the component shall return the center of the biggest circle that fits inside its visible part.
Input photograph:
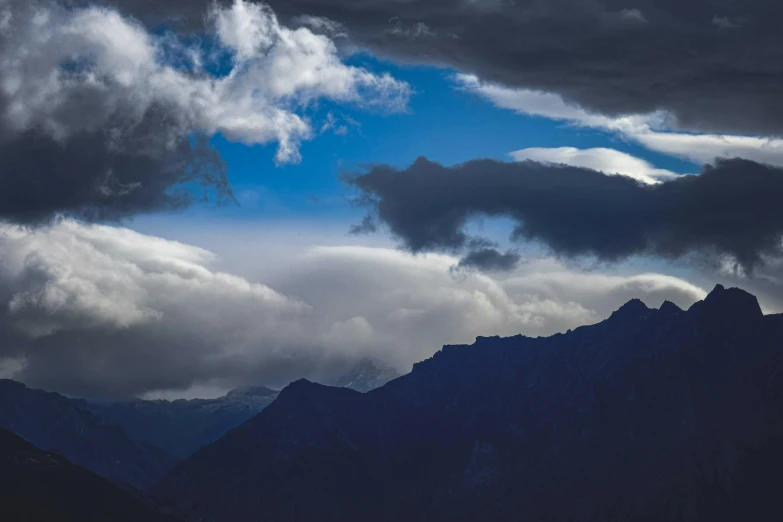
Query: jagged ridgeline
(61, 425)
(183, 426)
(133, 443)
(650, 415)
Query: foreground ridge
(39, 485)
(54, 422)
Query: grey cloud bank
(107, 312)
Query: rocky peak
(731, 304)
(669, 308)
(633, 308)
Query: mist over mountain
(367, 375)
(59, 424)
(650, 415)
(36, 485)
(182, 426)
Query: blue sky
(443, 122)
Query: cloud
(704, 148)
(96, 277)
(645, 129)
(101, 119)
(731, 208)
(608, 161)
(489, 259)
(103, 310)
(10, 367)
(415, 304)
(540, 103)
(612, 58)
(88, 178)
(107, 312)
(709, 64)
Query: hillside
(38, 486)
(56, 423)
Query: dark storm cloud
(715, 65)
(92, 152)
(490, 259)
(731, 208)
(87, 178)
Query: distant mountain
(58, 424)
(181, 427)
(650, 415)
(367, 375)
(39, 486)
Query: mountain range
(133, 443)
(60, 425)
(650, 415)
(653, 414)
(181, 427)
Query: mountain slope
(37, 486)
(367, 375)
(56, 423)
(181, 427)
(649, 415)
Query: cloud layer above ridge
(108, 312)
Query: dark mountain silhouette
(181, 427)
(366, 375)
(58, 424)
(650, 415)
(39, 486)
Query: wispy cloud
(648, 130)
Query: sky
(199, 195)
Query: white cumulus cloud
(81, 69)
